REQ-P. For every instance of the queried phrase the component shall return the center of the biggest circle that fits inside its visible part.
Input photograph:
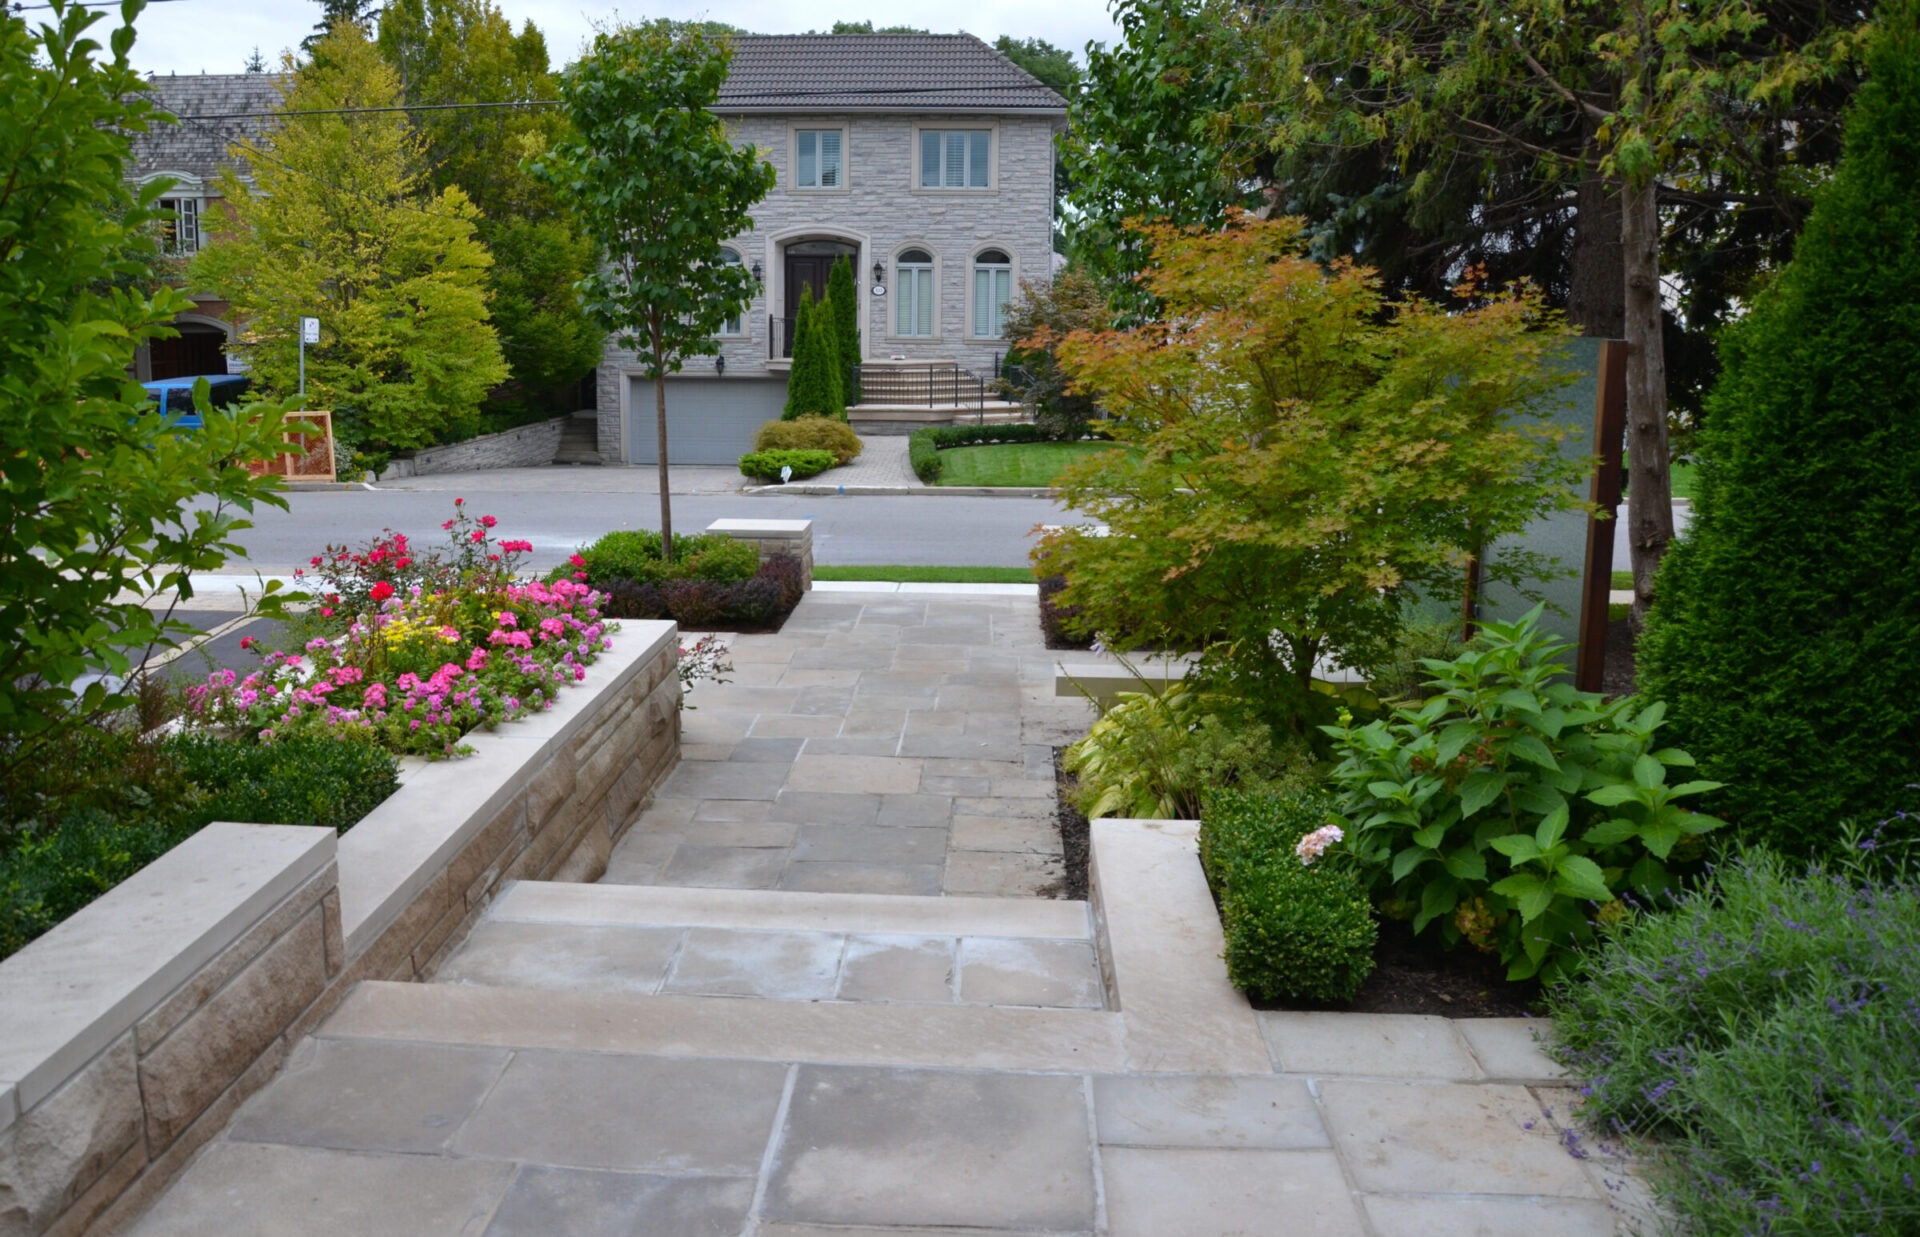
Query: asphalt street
(560, 509)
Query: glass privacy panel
(977, 159)
(808, 146)
(930, 159)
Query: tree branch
(1553, 84)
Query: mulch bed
(1619, 677)
(1410, 976)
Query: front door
(809, 263)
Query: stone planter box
(130, 1033)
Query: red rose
(381, 591)
(487, 521)
(458, 501)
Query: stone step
(645, 940)
(579, 441)
(746, 1029)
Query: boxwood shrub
(1295, 932)
(811, 433)
(634, 555)
(766, 465)
(74, 847)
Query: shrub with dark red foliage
(765, 600)
(1056, 618)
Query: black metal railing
(936, 385)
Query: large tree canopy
(339, 224)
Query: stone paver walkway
(879, 743)
(713, 1049)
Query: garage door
(709, 420)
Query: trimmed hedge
(810, 434)
(763, 601)
(1295, 932)
(924, 446)
(634, 554)
(164, 793)
(766, 465)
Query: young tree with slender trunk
(657, 184)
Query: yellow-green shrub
(810, 433)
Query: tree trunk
(1649, 486)
(1596, 297)
(666, 499)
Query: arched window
(914, 294)
(992, 289)
(732, 326)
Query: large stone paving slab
(362, 1096)
(933, 1147)
(631, 1113)
(237, 1187)
(545, 1202)
(870, 710)
(1449, 1138)
(1153, 1192)
(1214, 1111)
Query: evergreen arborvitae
(813, 384)
(1786, 631)
(845, 299)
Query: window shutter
(829, 158)
(977, 162)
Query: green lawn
(1014, 463)
(1682, 480)
(927, 575)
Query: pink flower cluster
(1315, 844)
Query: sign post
(309, 334)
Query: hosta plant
(1511, 810)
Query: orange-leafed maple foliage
(1308, 457)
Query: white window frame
(814, 131)
(990, 171)
(736, 325)
(975, 269)
(927, 273)
(181, 236)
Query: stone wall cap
(770, 527)
(70, 994)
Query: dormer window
(180, 227)
(817, 159)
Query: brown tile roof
(878, 72)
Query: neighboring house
(193, 153)
(925, 158)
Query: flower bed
(431, 649)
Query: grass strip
(1014, 464)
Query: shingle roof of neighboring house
(878, 72)
(199, 147)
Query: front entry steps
(579, 440)
(772, 1064)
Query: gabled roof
(199, 147)
(878, 72)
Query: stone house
(214, 109)
(926, 159)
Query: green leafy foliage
(1155, 754)
(1764, 1029)
(766, 465)
(337, 221)
(810, 434)
(1510, 804)
(466, 51)
(1308, 458)
(634, 554)
(1295, 931)
(815, 385)
(122, 801)
(102, 506)
(1043, 314)
(658, 185)
(1785, 630)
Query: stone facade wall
(882, 211)
(793, 537)
(529, 446)
(130, 1034)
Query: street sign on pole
(309, 334)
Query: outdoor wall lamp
(719, 367)
(879, 272)
(756, 272)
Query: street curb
(805, 489)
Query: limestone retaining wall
(793, 537)
(131, 1033)
(528, 446)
